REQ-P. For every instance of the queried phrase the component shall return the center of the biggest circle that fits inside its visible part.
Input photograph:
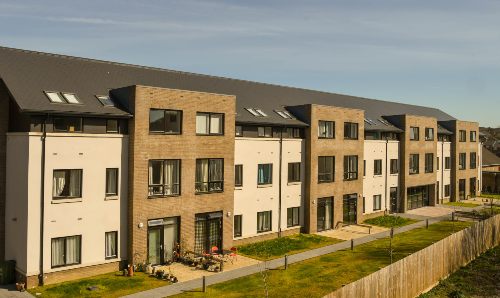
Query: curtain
(260, 174)
(214, 236)
(169, 169)
(260, 221)
(57, 252)
(72, 250)
(199, 235)
(111, 244)
(215, 123)
(155, 177)
(202, 175)
(328, 214)
(58, 184)
(111, 179)
(202, 123)
(216, 174)
(75, 183)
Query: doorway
(325, 214)
(350, 208)
(461, 189)
(163, 236)
(394, 199)
(472, 187)
(208, 232)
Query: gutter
(279, 184)
(386, 160)
(42, 201)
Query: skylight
(252, 111)
(383, 121)
(105, 100)
(261, 112)
(369, 121)
(70, 97)
(288, 114)
(54, 97)
(282, 114)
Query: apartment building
(105, 164)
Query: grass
(275, 248)
(478, 279)
(488, 210)
(319, 276)
(110, 285)
(388, 221)
(461, 204)
(490, 196)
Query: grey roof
(490, 158)
(27, 74)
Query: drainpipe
(42, 199)
(442, 174)
(386, 160)
(279, 184)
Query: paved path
(273, 264)
(9, 291)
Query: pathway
(273, 264)
(9, 291)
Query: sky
(440, 53)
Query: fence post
(204, 284)
(453, 216)
(286, 262)
(352, 244)
(427, 223)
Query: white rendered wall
(376, 184)
(443, 175)
(91, 216)
(251, 198)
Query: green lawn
(461, 204)
(275, 248)
(319, 276)
(490, 196)
(478, 279)
(388, 221)
(110, 285)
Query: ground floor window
(292, 217)
(377, 202)
(238, 225)
(208, 232)
(66, 251)
(163, 239)
(447, 190)
(350, 208)
(264, 221)
(111, 248)
(325, 214)
(417, 197)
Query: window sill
(353, 179)
(376, 176)
(394, 174)
(294, 183)
(413, 173)
(208, 192)
(264, 232)
(238, 187)
(325, 182)
(165, 133)
(326, 138)
(163, 196)
(264, 185)
(64, 201)
(210, 135)
(111, 198)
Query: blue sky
(444, 54)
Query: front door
(208, 232)
(155, 247)
(394, 199)
(472, 188)
(325, 214)
(163, 237)
(461, 189)
(350, 208)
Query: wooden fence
(420, 271)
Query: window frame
(210, 181)
(447, 190)
(462, 135)
(350, 174)
(293, 211)
(295, 132)
(294, 172)
(348, 130)
(238, 131)
(429, 168)
(266, 130)
(416, 170)
(240, 220)
(106, 257)
(375, 198)
(163, 193)
(416, 133)
(66, 119)
(110, 194)
(447, 162)
(471, 134)
(326, 173)
(65, 252)
(68, 197)
(117, 131)
(394, 169)
(427, 136)
(270, 181)
(375, 172)
(238, 168)
(322, 124)
(209, 128)
(270, 221)
(472, 165)
(164, 132)
(464, 165)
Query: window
(443, 138)
(261, 113)
(238, 175)
(326, 129)
(377, 202)
(105, 100)
(414, 131)
(112, 126)
(377, 167)
(111, 248)
(292, 217)
(209, 124)
(264, 221)
(461, 161)
(394, 166)
(414, 164)
(265, 174)
(351, 167)
(364, 167)
(364, 205)
(429, 162)
(165, 121)
(447, 190)
(238, 225)
(429, 134)
(473, 160)
(65, 251)
(54, 97)
(67, 184)
(293, 132)
(437, 163)
(472, 136)
(252, 111)
(350, 131)
(238, 130)
(209, 175)
(68, 124)
(164, 177)
(71, 98)
(265, 131)
(111, 182)
(462, 136)
(293, 172)
(447, 163)
(326, 172)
